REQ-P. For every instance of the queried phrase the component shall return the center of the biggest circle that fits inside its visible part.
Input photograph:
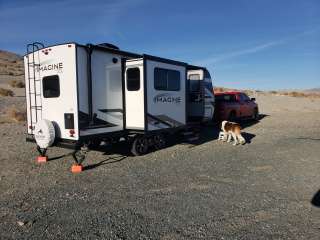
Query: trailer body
(92, 92)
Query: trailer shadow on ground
(109, 160)
(211, 132)
(206, 134)
(315, 201)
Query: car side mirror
(253, 99)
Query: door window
(133, 79)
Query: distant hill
(11, 64)
(313, 90)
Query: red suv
(235, 105)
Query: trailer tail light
(30, 127)
(72, 132)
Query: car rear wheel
(255, 115)
(232, 116)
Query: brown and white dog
(233, 130)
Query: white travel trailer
(81, 95)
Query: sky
(245, 44)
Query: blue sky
(256, 44)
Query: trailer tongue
(79, 96)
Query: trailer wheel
(159, 141)
(94, 143)
(140, 146)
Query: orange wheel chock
(76, 168)
(42, 159)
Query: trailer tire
(159, 141)
(140, 146)
(94, 143)
(44, 133)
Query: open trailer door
(134, 95)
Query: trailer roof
(164, 60)
(129, 54)
(113, 50)
(194, 67)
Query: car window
(244, 97)
(225, 98)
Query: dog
(232, 130)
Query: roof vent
(108, 45)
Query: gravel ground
(209, 190)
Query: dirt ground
(207, 190)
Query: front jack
(79, 156)
(42, 158)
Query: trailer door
(134, 95)
(196, 95)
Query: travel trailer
(79, 96)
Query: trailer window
(166, 79)
(194, 76)
(51, 86)
(133, 79)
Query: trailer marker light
(69, 45)
(72, 132)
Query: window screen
(194, 76)
(51, 86)
(166, 79)
(133, 79)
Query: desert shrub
(16, 115)
(301, 94)
(273, 92)
(248, 92)
(11, 73)
(16, 84)
(218, 89)
(297, 94)
(6, 92)
(222, 89)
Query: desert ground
(266, 189)
(204, 190)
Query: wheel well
(233, 111)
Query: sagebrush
(16, 84)
(6, 92)
(16, 115)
